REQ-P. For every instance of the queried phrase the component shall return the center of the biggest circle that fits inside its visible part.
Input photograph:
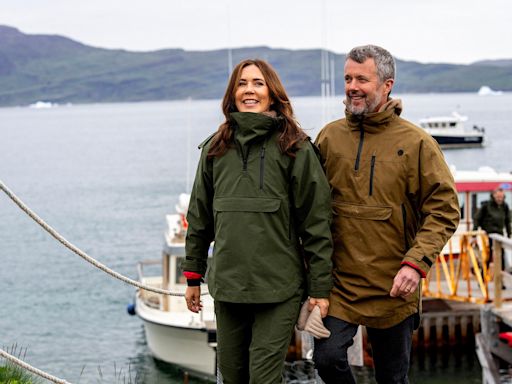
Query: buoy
(131, 309)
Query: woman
(261, 194)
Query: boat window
(478, 198)
(453, 124)
(508, 199)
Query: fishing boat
(450, 132)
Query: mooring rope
(78, 251)
(30, 368)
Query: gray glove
(311, 322)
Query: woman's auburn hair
(291, 133)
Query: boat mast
(230, 52)
(326, 71)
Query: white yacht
(449, 131)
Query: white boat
(173, 333)
(449, 131)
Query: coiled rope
(78, 251)
(30, 368)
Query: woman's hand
(193, 299)
(323, 304)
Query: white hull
(185, 346)
(449, 131)
(173, 333)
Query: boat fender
(130, 308)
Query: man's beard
(365, 108)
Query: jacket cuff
(194, 282)
(320, 292)
(415, 267)
(192, 275)
(194, 279)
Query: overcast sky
(453, 31)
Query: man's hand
(193, 299)
(405, 282)
(323, 304)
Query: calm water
(104, 176)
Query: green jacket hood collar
(250, 125)
(375, 120)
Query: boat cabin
(475, 187)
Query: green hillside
(60, 70)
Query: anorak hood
(250, 125)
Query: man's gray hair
(383, 60)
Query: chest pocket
(362, 228)
(246, 204)
(250, 224)
(365, 212)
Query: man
(395, 206)
(492, 217)
(494, 214)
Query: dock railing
(464, 274)
(501, 244)
(492, 347)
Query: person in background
(494, 216)
(261, 194)
(395, 206)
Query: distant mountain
(495, 63)
(60, 70)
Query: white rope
(78, 251)
(30, 368)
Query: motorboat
(450, 132)
(173, 333)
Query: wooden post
(496, 251)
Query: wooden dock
(494, 342)
(446, 322)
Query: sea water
(104, 176)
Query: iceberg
(487, 91)
(41, 105)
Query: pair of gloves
(311, 322)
